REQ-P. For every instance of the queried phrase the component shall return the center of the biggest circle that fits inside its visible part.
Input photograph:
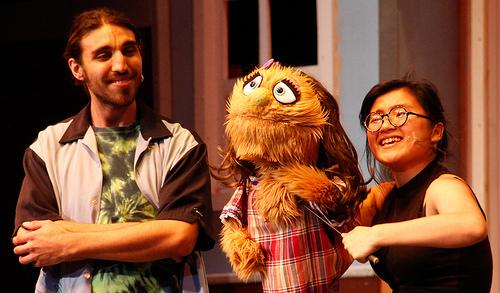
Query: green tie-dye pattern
(122, 201)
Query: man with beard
(115, 198)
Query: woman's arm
(373, 202)
(453, 219)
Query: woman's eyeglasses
(397, 117)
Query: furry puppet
(287, 149)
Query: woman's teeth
(390, 140)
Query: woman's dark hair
(91, 20)
(427, 96)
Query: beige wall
(423, 36)
(480, 105)
(493, 135)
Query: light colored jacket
(63, 180)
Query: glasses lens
(398, 116)
(373, 121)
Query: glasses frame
(382, 116)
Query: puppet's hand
(243, 252)
(311, 184)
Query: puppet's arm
(312, 185)
(244, 253)
(275, 203)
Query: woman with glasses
(429, 231)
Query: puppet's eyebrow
(293, 86)
(250, 78)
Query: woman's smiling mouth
(390, 140)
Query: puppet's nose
(260, 98)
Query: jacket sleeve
(186, 195)
(36, 200)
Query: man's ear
(76, 69)
(437, 132)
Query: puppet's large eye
(283, 93)
(252, 85)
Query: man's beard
(118, 98)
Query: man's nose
(119, 62)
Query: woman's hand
(360, 242)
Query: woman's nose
(386, 123)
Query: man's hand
(41, 243)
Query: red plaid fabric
(306, 257)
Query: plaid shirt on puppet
(304, 257)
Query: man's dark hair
(91, 20)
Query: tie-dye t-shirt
(122, 201)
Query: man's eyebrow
(100, 50)
(131, 42)
(109, 48)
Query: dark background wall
(37, 90)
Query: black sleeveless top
(428, 269)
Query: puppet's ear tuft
(269, 63)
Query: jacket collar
(152, 125)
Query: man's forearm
(139, 242)
(46, 243)
(81, 227)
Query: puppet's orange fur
(298, 151)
